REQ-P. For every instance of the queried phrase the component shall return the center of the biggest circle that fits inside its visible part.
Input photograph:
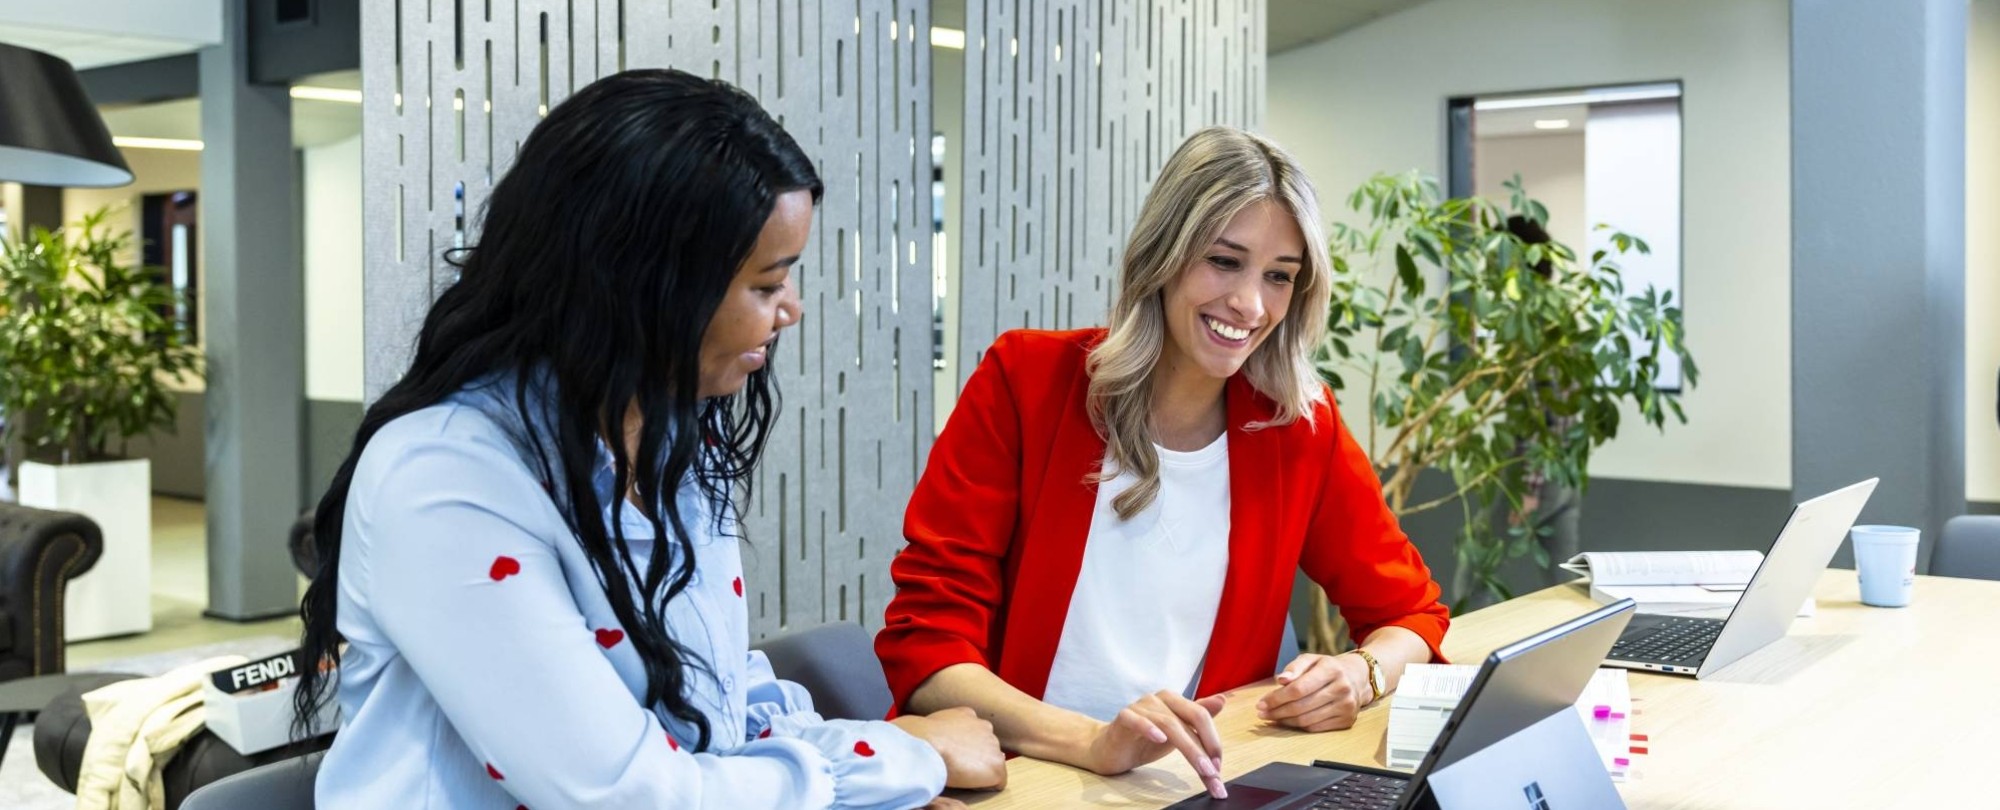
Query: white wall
(332, 245)
(1632, 172)
(154, 171)
(1551, 169)
(332, 189)
(1373, 100)
(1982, 252)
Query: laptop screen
(1525, 682)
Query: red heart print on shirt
(764, 735)
(609, 637)
(738, 584)
(503, 567)
(671, 743)
(864, 749)
(493, 772)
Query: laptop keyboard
(1674, 640)
(1361, 791)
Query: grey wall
(1621, 515)
(177, 456)
(1627, 515)
(330, 427)
(162, 79)
(328, 39)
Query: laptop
(1520, 706)
(1686, 645)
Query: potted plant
(87, 360)
(1500, 360)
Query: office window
(1605, 155)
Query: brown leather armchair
(40, 552)
(63, 727)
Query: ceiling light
(311, 93)
(1552, 123)
(1603, 95)
(178, 144)
(948, 38)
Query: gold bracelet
(1374, 667)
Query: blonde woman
(1109, 523)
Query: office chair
(1969, 547)
(283, 785)
(836, 663)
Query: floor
(180, 593)
(180, 635)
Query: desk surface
(1857, 707)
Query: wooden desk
(1857, 707)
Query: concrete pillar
(1878, 256)
(256, 334)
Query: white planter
(115, 597)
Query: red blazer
(998, 522)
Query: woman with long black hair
(531, 551)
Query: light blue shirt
(485, 668)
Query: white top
(485, 667)
(1145, 601)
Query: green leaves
(1477, 364)
(86, 353)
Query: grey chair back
(1969, 547)
(1288, 645)
(283, 785)
(836, 663)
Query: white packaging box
(260, 721)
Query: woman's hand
(1318, 693)
(972, 756)
(1159, 724)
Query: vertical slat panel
(1071, 108)
(825, 512)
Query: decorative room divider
(1071, 108)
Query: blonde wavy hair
(1217, 173)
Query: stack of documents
(1418, 708)
(1687, 583)
(1429, 692)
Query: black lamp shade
(50, 133)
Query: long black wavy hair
(606, 250)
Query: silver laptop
(1684, 645)
(1514, 736)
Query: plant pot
(115, 597)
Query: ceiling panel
(193, 22)
(85, 50)
(1521, 122)
(1297, 23)
(313, 122)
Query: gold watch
(1375, 679)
